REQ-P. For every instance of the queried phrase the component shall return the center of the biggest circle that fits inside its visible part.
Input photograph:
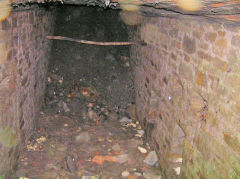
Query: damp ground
(88, 126)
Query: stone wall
(24, 55)
(187, 81)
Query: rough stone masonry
(24, 55)
(187, 83)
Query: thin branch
(89, 42)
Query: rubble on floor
(65, 146)
(80, 136)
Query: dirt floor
(88, 127)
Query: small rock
(70, 164)
(138, 135)
(83, 137)
(177, 170)
(151, 158)
(23, 178)
(127, 64)
(142, 150)
(110, 57)
(141, 132)
(49, 80)
(151, 174)
(116, 147)
(109, 140)
(63, 106)
(92, 115)
(122, 158)
(138, 174)
(41, 139)
(125, 121)
(100, 139)
(90, 177)
(125, 174)
(132, 124)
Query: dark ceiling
(229, 10)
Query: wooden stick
(89, 42)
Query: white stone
(125, 174)
(141, 132)
(122, 158)
(89, 177)
(125, 120)
(151, 159)
(142, 150)
(65, 107)
(177, 170)
(127, 64)
(49, 80)
(83, 137)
